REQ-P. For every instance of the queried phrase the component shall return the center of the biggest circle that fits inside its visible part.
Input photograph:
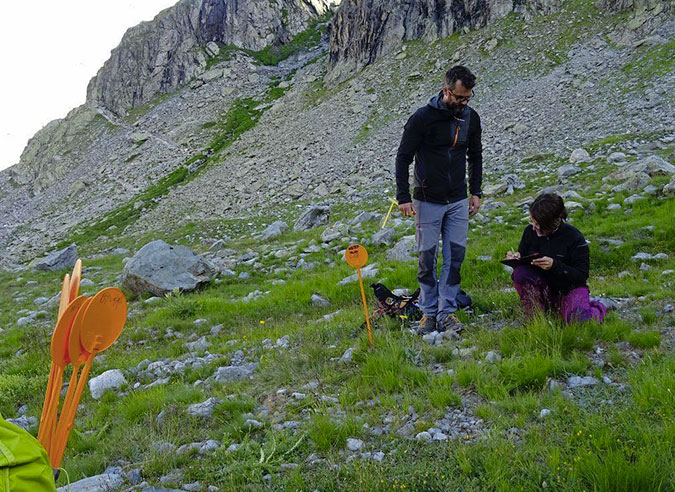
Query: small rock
(641, 256)
(632, 199)
(254, 424)
(319, 301)
(423, 436)
(230, 374)
(347, 356)
(578, 381)
(58, 260)
(109, 380)
(580, 155)
(26, 423)
(204, 409)
(568, 170)
(354, 444)
(493, 357)
(616, 157)
(198, 346)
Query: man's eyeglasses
(460, 98)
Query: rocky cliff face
(57, 148)
(362, 30)
(159, 56)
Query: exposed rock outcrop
(56, 148)
(365, 29)
(157, 57)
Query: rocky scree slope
(549, 92)
(160, 56)
(547, 83)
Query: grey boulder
(229, 374)
(651, 166)
(579, 155)
(275, 229)
(98, 483)
(404, 250)
(314, 216)
(58, 260)
(159, 268)
(383, 237)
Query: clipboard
(523, 260)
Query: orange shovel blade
(75, 279)
(65, 295)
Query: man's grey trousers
(449, 222)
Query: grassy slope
(605, 438)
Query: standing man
(441, 136)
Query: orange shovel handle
(50, 421)
(64, 432)
(57, 427)
(47, 402)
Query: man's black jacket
(440, 141)
(569, 251)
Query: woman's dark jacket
(569, 251)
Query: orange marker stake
(103, 322)
(357, 257)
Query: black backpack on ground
(406, 307)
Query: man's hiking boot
(450, 323)
(427, 325)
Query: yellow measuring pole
(357, 256)
(391, 207)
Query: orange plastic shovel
(60, 360)
(77, 358)
(104, 320)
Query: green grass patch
(645, 339)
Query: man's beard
(455, 109)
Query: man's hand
(545, 263)
(474, 205)
(407, 209)
(511, 255)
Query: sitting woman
(557, 280)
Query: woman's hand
(545, 263)
(510, 255)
